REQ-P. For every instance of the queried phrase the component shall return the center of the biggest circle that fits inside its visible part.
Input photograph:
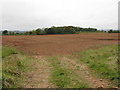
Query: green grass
(104, 61)
(6, 51)
(14, 64)
(64, 77)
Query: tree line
(53, 30)
(113, 31)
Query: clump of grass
(14, 66)
(103, 61)
(64, 77)
(6, 51)
(59, 74)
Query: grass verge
(14, 66)
(104, 61)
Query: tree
(40, 31)
(5, 32)
(30, 32)
(33, 32)
(110, 31)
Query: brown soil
(59, 44)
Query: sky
(119, 16)
(33, 14)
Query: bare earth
(50, 45)
(59, 44)
(40, 75)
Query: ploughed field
(91, 67)
(50, 45)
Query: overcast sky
(32, 14)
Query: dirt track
(42, 45)
(59, 44)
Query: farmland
(69, 60)
(59, 44)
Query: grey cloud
(25, 15)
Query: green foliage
(6, 51)
(39, 32)
(35, 32)
(103, 61)
(113, 31)
(14, 65)
(68, 30)
(5, 32)
(53, 30)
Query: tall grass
(14, 67)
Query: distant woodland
(56, 30)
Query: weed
(14, 66)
